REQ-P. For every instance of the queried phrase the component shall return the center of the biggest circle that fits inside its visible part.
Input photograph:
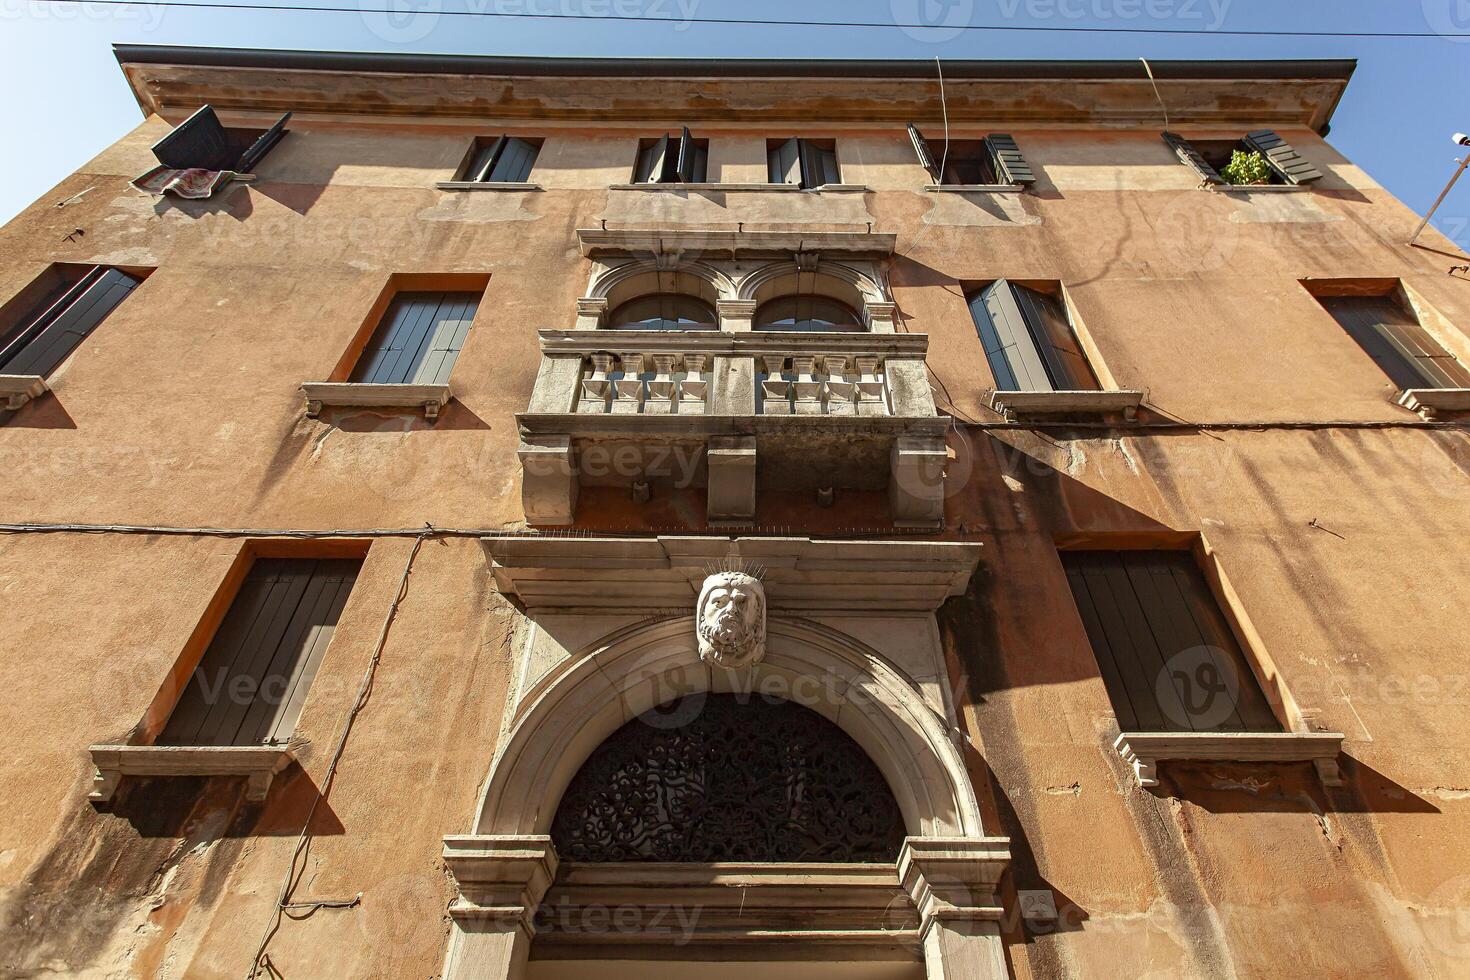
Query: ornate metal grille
(718, 777)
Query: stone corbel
(916, 481)
(502, 881)
(953, 883)
(730, 499)
(591, 312)
(736, 315)
(882, 317)
(548, 479)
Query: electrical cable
(1163, 108)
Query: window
(807, 313)
(57, 313)
(1028, 340)
(500, 160)
(1388, 331)
(418, 339)
(1209, 158)
(806, 163)
(252, 680)
(201, 142)
(672, 160)
(994, 160)
(666, 311)
(1168, 658)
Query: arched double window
(807, 313)
(664, 311)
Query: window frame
(488, 153)
(688, 163)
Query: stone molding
(1143, 751)
(17, 389)
(597, 242)
(345, 394)
(1432, 402)
(258, 763)
(1031, 404)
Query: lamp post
(1460, 140)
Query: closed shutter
(818, 165)
(513, 166)
(252, 680)
(1283, 158)
(41, 346)
(1167, 656)
(693, 159)
(1391, 335)
(1006, 159)
(419, 339)
(784, 162)
(1190, 157)
(651, 162)
(925, 155)
(199, 141)
(1046, 320)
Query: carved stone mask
(731, 620)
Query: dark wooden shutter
(688, 162)
(1141, 609)
(818, 165)
(1009, 346)
(784, 162)
(419, 339)
(252, 680)
(1005, 157)
(1051, 331)
(267, 141)
(925, 155)
(43, 344)
(199, 141)
(513, 166)
(484, 159)
(651, 162)
(1389, 333)
(1282, 157)
(1190, 157)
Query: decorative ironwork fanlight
(720, 777)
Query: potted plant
(1246, 169)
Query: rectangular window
(1167, 655)
(1279, 161)
(806, 163)
(201, 142)
(500, 160)
(1388, 331)
(669, 159)
(418, 339)
(996, 159)
(252, 680)
(1028, 340)
(57, 314)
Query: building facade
(497, 518)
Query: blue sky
(67, 98)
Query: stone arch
(832, 279)
(579, 704)
(644, 277)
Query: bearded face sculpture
(731, 620)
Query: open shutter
(651, 161)
(926, 158)
(1014, 360)
(1398, 344)
(514, 163)
(199, 141)
(419, 339)
(45, 343)
(479, 168)
(1190, 157)
(784, 163)
(1282, 157)
(818, 166)
(1005, 156)
(688, 157)
(1046, 320)
(252, 157)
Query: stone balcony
(732, 413)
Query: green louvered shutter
(1190, 157)
(1005, 157)
(1283, 158)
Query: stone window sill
(976, 188)
(1145, 750)
(258, 763)
(486, 185)
(346, 394)
(1259, 188)
(17, 389)
(1028, 404)
(1429, 402)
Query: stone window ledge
(1027, 404)
(703, 186)
(1429, 402)
(1145, 750)
(1259, 188)
(486, 185)
(347, 394)
(258, 763)
(17, 389)
(976, 188)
